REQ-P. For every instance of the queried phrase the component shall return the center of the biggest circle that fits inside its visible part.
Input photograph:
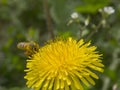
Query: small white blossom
(100, 10)
(115, 86)
(109, 10)
(74, 15)
(87, 21)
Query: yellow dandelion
(63, 65)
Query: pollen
(63, 64)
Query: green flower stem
(113, 66)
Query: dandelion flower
(63, 65)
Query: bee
(30, 48)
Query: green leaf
(91, 6)
(111, 73)
(18, 88)
(4, 2)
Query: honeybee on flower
(63, 64)
(29, 47)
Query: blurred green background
(41, 20)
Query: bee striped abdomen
(29, 47)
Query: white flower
(87, 21)
(74, 15)
(109, 10)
